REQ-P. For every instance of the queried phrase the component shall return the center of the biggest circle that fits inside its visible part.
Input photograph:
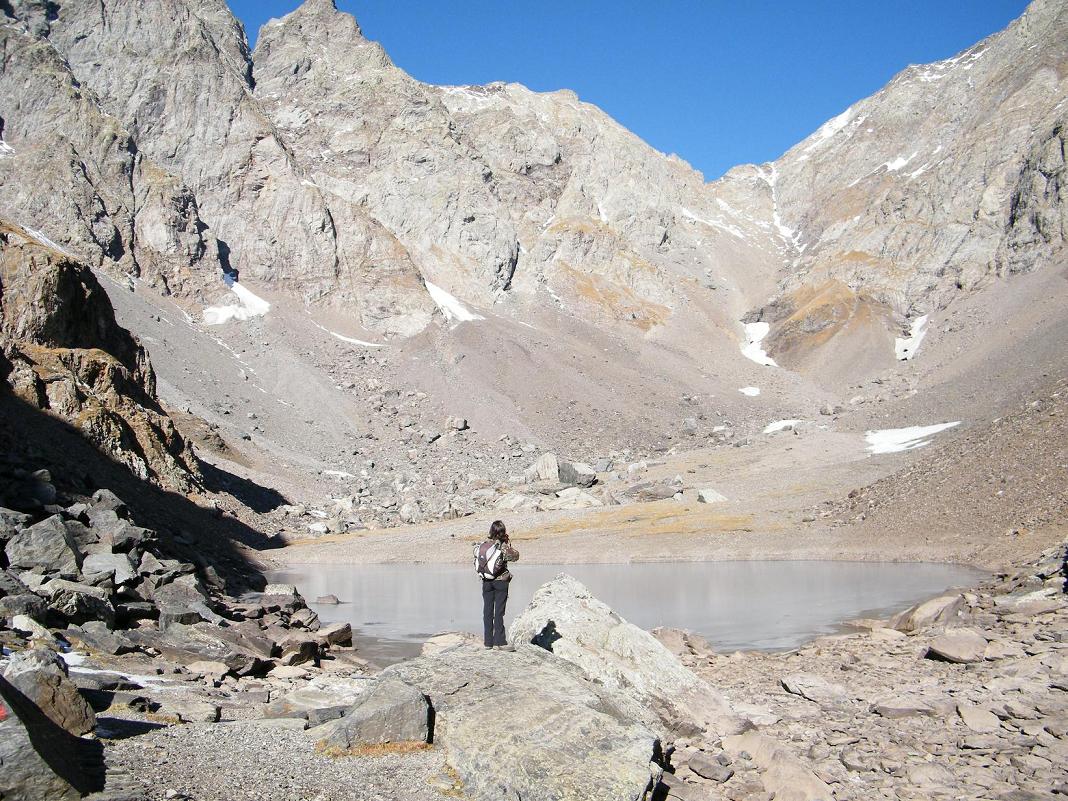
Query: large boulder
(78, 603)
(46, 546)
(99, 567)
(40, 760)
(940, 610)
(241, 650)
(958, 645)
(577, 474)
(183, 601)
(784, 776)
(390, 712)
(41, 676)
(546, 468)
(530, 725)
(564, 618)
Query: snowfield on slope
(453, 309)
(754, 335)
(250, 305)
(895, 440)
(905, 347)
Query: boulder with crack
(530, 725)
(564, 618)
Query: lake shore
(665, 531)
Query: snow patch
(905, 347)
(452, 308)
(750, 392)
(250, 305)
(44, 240)
(780, 425)
(344, 338)
(754, 335)
(829, 129)
(338, 474)
(733, 230)
(896, 164)
(894, 440)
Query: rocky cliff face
(73, 173)
(949, 177)
(63, 353)
(180, 74)
(327, 171)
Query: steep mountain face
(949, 177)
(180, 73)
(496, 189)
(328, 172)
(63, 353)
(72, 172)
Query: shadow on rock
(42, 757)
(256, 497)
(122, 729)
(31, 439)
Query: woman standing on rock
(491, 564)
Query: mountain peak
(323, 9)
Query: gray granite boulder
(46, 546)
(940, 610)
(958, 645)
(390, 712)
(564, 618)
(530, 725)
(41, 676)
(40, 760)
(79, 603)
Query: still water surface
(736, 605)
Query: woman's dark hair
(498, 531)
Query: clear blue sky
(718, 82)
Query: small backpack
(489, 560)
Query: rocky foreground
(208, 697)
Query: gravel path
(263, 761)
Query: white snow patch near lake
(452, 308)
(905, 347)
(780, 425)
(754, 335)
(895, 440)
(344, 338)
(250, 305)
(750, 392)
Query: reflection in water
(736, 605)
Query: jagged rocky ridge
(327, 171)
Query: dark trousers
(494, 599)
